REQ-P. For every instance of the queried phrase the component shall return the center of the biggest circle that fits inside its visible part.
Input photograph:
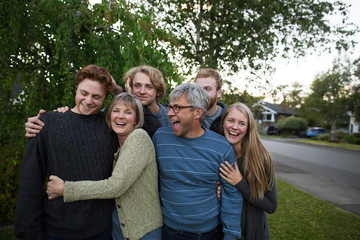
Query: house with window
(269, 114)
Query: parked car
(272, 130)
(315, 131)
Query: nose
(120, 115)
(142, 90)
(88, 100)
(235, 126)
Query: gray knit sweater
(74, 147)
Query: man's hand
(127, 85)
(34, 125)
(116, 89)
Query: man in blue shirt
(189, 158)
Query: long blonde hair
(258, 165)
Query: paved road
(330, 174)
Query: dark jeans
(101, 236)
(171, 234)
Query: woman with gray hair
(134, 180)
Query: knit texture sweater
(74, 147)
(133, 184)
(189, 171)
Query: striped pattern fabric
(188, 173)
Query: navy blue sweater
(74, 147)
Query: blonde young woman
(253, 174)
(134, 180)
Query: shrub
(293, 124)
(341, 135)
(9, 180)
(322, 137)
(353, 139)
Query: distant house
(271, 114)
(354, 126)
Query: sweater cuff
(68, 192)
(240, 185)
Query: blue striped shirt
(189, 171)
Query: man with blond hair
(147, 83)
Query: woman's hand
(55, 187)
(62, 109)
(231, 175)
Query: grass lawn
(302, 216)
(299, 216)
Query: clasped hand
(55, 187)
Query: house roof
(279, 109)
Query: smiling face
(89, 98)
(144, 89)
(123, 120)
(210, 86)
(235, 126)
(186, 122)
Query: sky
(304, 70)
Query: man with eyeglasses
(189, 158)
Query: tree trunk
(333, 131)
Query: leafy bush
(10, 157)
(322, 137)
(353, 139)
(292, 124)
(341, 135)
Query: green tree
(42, 45)
(355, 92)
(329, 100)
(233, 95)
(235, 35)
(291, 95)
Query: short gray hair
(196, 96)
(128, 100)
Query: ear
(218, 93)
(198, 112)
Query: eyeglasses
(176, 108)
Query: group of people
(139, 170)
